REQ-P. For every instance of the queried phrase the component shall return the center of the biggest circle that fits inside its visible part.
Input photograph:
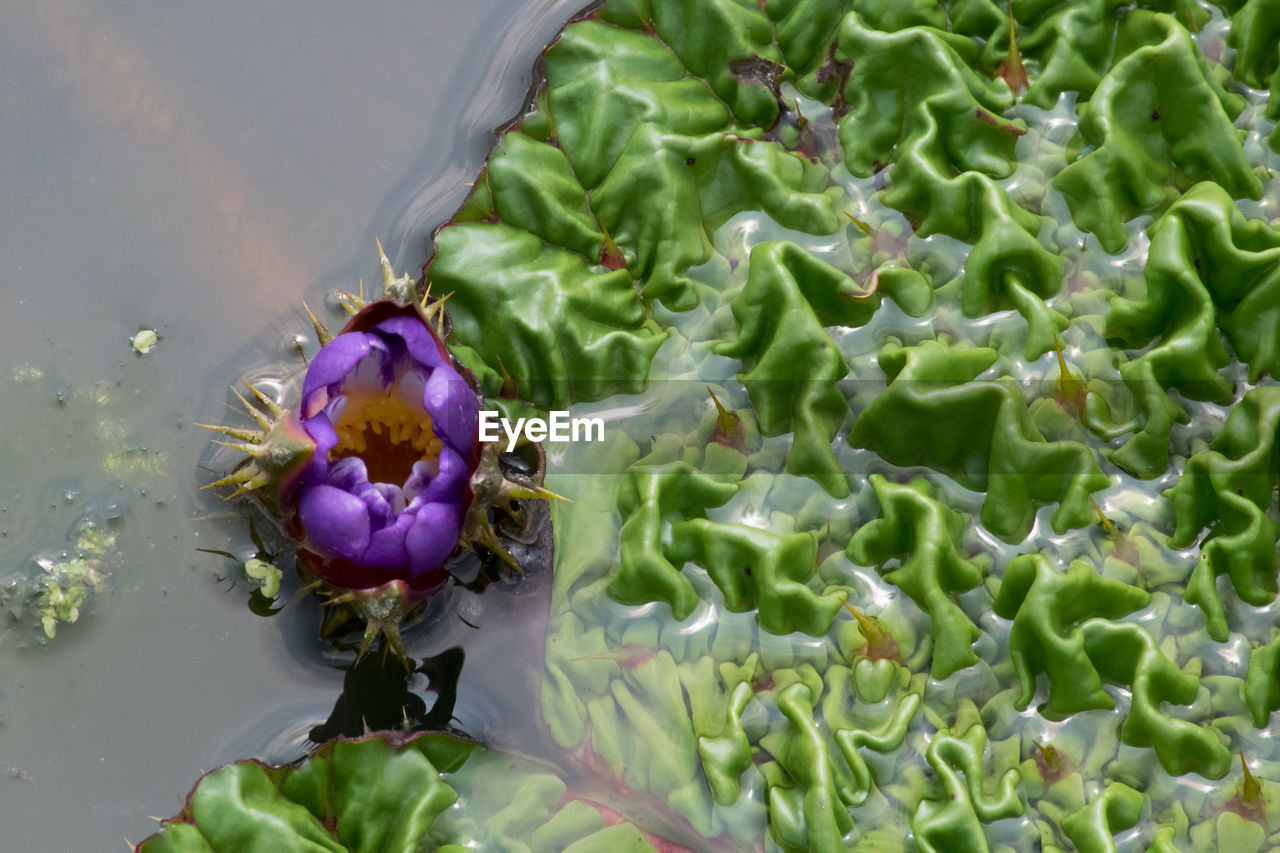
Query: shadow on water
(377, 696)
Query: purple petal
(335, 520)
(381, 512)
(453, 408)
(348, 474)
(418, 339)
(412, 385)
(450, 479)
(326, 438)
(420, 477)
(375, 372)
(331, 365)
(392, 496)
(432, 537)
(386, 547)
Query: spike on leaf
(862, 226)
(611, 256)
(388, 274)
(1012, 69)
(247, 478)
(537, 493)
(1126, 550)
(729, 429)
(801, 122)
(242, 446)
(725, 420)
(1050, 762)
(1107, 524)
(1071, 391)
(436, 313)
(880, 643)
(254, 412)
(1249, 803)
(509, 390)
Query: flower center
(385, 432)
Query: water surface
(197, 170)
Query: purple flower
(395, 429)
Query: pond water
(196, 170)
(195, 175)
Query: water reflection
(377, 695)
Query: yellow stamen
(398, 433)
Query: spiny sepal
(277, 452)
(323, 335)
(382, 609)
(497, 492)
(400, 289)
(397, 288)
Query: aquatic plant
(380, 473)
(985, 293)
(395, 430)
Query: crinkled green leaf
(643, 731)
(1229, 488)
(1160, 123)
(857, 725)
(805, 31)
(533, 188)
(1185, 296)
(1255, 34)
(759, 570)
(891, 17)
(793, 365)
(595, 70)
(728, 43)
(564, 330)
(667, 192)
(1204, 245)
(651, 497)
(805, 755)
(1116, 808)
(954, 821)
(1070, 43)
(1262, 688)
(725, 751)
(914, 101)
(936, 413)
(374, 797)
(1062, 627)
(1047, 607)
(1123, 653)
(913, 94)
(921, 533)
(370, 796)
